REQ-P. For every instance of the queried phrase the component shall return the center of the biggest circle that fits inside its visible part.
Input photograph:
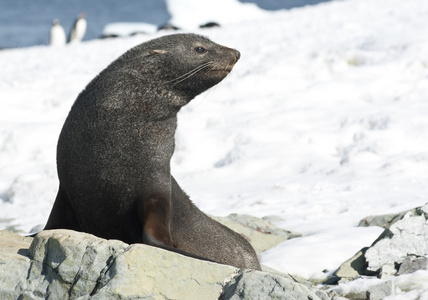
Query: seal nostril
(237, 54)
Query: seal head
(191, 64)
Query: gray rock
(407, 236)
(381, 291)
(273, 219)
(399, 245)
(9, 224)
(263, 225)
(387, 220)
(294, 278)
(14, 262)
(412, 264)
(80, 265)
(382, 220)
(250, 284)
(261, 233)
(353, 267)
(72, 262)
(64, 264)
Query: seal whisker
(190, 73)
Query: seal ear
(155, 52)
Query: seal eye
(200, 50)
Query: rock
(264, 225)
(14, 262)
(252, 284)
(382, 220)
(407, 236)
(387, 220)
(399, 257)
(72, 262)
(81, 265)
(9, 225)
(381, 291)
(274, 219)
(294, 278)
(417, 281)
(64, 264)
(338, 298)
(400, 244)
(261, 233)
(353, 267)
(412, 264)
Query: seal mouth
(226, 67)
(218, 70)
(219, 73)
(221, 70)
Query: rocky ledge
(64, 264)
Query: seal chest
(115, 148)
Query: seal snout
(237, 55)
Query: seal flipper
(62, 215)
(149, 240)
(154, 215)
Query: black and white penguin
(78, 31)
(57, 34)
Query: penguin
(78, 30)
(57, 34)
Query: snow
(322, 122)
(406, 287)
(190, 14)
(128, 28)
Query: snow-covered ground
(323, 121)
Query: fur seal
(114, 152)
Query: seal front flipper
(154, 213)
(62, 215)
(151, 241)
